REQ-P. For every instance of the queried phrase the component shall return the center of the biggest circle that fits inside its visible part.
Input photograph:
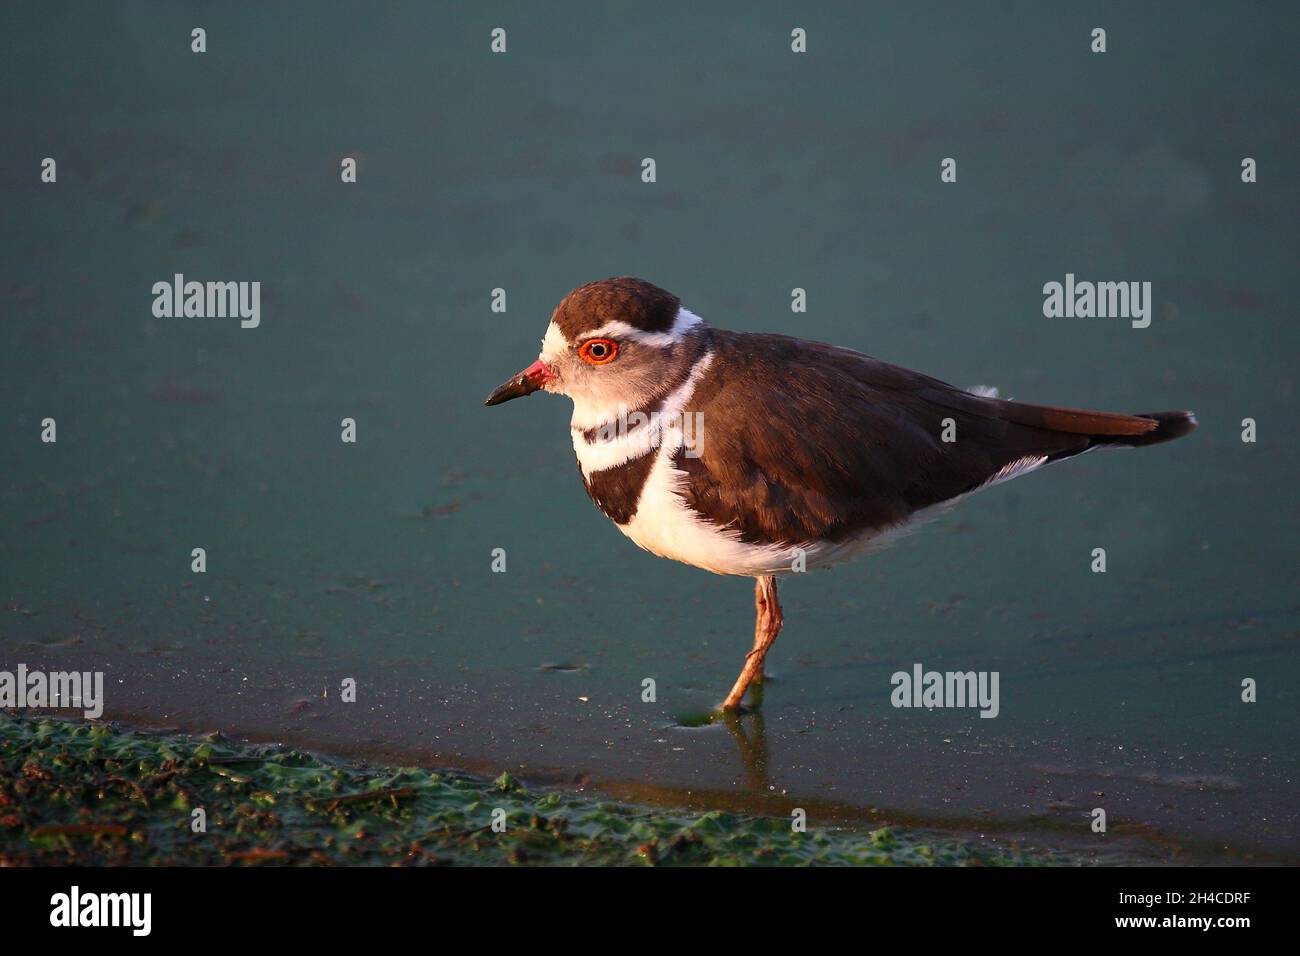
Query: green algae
(101, 794)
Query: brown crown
(640, 304)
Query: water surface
(372, 561)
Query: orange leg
(767, 625)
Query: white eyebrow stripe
(554, 344)
(683, 323)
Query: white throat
(620, 439)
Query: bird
(762, 455)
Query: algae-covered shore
(102, 794)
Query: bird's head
(613, 343)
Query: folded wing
(803, 441)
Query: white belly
(665, 526)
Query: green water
(371, 561)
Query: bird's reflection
(749, 732)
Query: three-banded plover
(759, 455)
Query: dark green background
(775, 170)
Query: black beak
(525, 383)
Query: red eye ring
(598, 351)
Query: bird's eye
(598, 351)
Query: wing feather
(805, 441)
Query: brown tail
(1169, 425)
(1101, 428)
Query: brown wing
(804, 441)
